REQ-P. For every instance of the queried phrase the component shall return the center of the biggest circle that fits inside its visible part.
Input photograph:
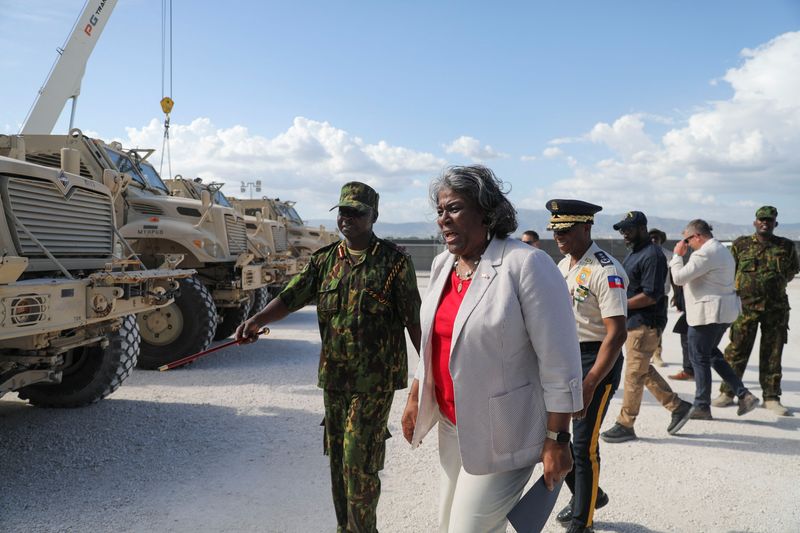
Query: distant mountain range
(603, 227)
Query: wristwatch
(561, 437)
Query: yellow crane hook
(166, 105)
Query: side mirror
(115, 182)
(205, 198)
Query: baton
(189, 358)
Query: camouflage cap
(633, 218)
(766, 211)
(359, 196)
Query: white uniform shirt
(597, 284)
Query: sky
(680, 109)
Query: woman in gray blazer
(500, 367)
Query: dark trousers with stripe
(584, 477)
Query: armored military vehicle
(68, 291)
(165, 230)
(273, 258)
(302, 240)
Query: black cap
(658, 233)
(633, 218)
(566, 213)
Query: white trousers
(470, 503)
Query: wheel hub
(161, 326)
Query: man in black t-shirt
(646, 267)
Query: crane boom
(64, 81)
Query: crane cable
(166, 100)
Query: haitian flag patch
(616, 282)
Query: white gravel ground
(233, 443)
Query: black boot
(565, 515)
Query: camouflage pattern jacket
(363, 305)
(763, 270)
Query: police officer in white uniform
(596, 283)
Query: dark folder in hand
(532, 511)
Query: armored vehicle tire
(231, 317)
(92, 373)
(184, 327)
(261, 298)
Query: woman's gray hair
(479, 184)
(700, 227)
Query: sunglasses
(687, 239)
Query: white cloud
(311, 159)
(528, 158)
(534, 200)
(743, 146)
(626, 136)
(471, 147)
(552, 151)
(566, 140)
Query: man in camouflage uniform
(366, 293)
(765, 263)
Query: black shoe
(701, 413)
(618, 433)
(679, 417)
(579, 528)
(564, 516)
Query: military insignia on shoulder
(603, 258)
(616, 282)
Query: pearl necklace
(464, 277)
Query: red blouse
(441, 341)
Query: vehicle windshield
(289, 212)
(216, 195)
(153, 179)
(220, 199)
(124, 164)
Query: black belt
(592, 346)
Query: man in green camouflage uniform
(765, 263)
(366, 293)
